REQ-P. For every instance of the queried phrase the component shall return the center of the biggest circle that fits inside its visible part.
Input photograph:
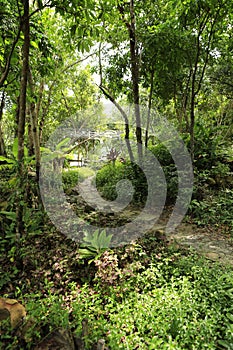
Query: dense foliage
(137, 296)
(61, 61)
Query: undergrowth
(139, 297)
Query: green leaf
(230, 317)
(45, 149)
(225, 344)
(34, 44)
(97, 241)
(9, 215)
(86, 253)
(8, 160)
(104, 240)
(87, 237)
(64, 142)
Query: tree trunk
(196, 83)
(112, 99)
(23, 83)
(191, 128)
(124, 115)
(149, 108)
(22, 113)
(30, 136)
(134, 60)
(135, 78)
(34, 125)
(5, 73)
(2, 144)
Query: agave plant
(94, 244)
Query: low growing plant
(215, 209)
(178, 301)
(94, 244)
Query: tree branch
(78, 61)
(7, 66)
(207, 52)
(124, 115)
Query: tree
(22, 109)
(2, 143)
(47, 66)
(183, 51)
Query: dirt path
(214, 245)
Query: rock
(60, 339)
(212, 256)
(12, 308)
(101, 344)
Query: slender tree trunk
(111, 98)
(34, 125)
(191, 127)
(22, 112)
(23, 84)
(8, 62)
(30, 136)
(2, 144)
(149, 108)
(135, 78)
(124, 115)
(16, 118)
(40, 96)
(196, 83)
(185, 102)
(134, 60)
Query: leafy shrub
(108, 177)
(44, 315)
(171, 176)
(163, 155)
(70, 178)
(221, 175)
(165, 159)
(215, 209)
(209, 181)
(212, 199)
(94, 244)
(210, 147)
